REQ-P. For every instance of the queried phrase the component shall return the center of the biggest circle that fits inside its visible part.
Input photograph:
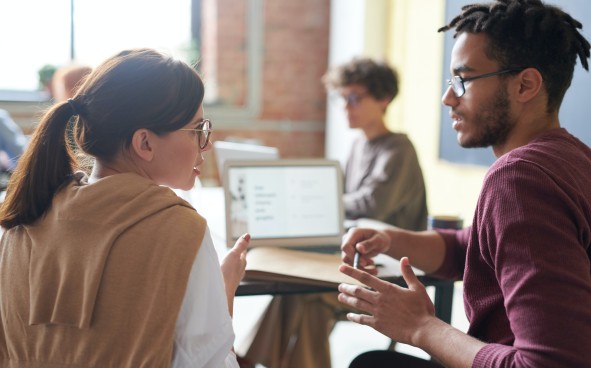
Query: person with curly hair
(383, 181)
(383, 177)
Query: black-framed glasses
(203, 131)
(457, 83)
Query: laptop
(285, 203)
(225, 151)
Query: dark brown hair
(528, 33)
(135, 89)
(380, 79)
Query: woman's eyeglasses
(203, 131)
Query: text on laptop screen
(280, 202)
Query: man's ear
(142, 144)
(531, 83)
(385, 102)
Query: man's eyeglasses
(457, 83)
(203, 131)
(352, 99)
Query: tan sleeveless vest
(99, 280)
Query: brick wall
(295, 55)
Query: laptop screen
(284, 202)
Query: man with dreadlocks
(526, 258)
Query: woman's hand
(234, 264)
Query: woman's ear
(142, 144)
(531, 82)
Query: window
(227, 34)
(41, 33)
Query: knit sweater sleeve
(533, 234)
(393, 183)
(456, 242)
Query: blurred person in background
(383, 181)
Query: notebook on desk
(284, 203)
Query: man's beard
(493, 123)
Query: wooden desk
(444, 290)
(209, 202)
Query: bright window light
(36, 33)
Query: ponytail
(47, 163)
(134, 89)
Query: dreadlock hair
(380, 79)
(528, 33)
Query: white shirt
(204, 335)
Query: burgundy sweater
(525, 261)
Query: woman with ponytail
(110, 268)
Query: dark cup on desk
(444, 222)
